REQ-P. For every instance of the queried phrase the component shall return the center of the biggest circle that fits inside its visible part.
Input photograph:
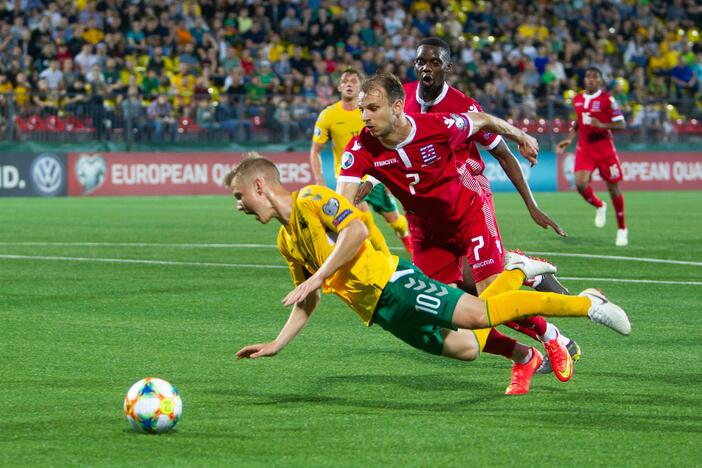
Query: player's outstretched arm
(513, 170)
(316, 162)
(299, 317)
(528, 146)
(347, 244)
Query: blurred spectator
(133, 114)
(161, 119)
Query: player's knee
(581, 185)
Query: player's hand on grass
(544, 220)
(561, 146)
(363, 190)
(301, 292)
(529, 148)
(257, 350)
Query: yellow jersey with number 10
(318, 215)
(339, 125)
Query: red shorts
(439, 254)
(601, 156)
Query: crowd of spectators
(251, 67)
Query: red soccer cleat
(522, 373)
(407, 241)
(561, 362)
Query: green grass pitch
(76, 334)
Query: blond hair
(253, 163)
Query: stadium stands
(252, 70)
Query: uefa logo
(47, 174)
(90, 171)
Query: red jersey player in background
(433, 94)
(414, 157)
(598, 114)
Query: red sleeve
(486, 139)
(354, 162)
(459, 128)
(615, 112)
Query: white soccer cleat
(530, 266)
(622, 237)
(606, 313)
(601, 215)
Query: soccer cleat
(407, 242)
(522, 373)
(530, 266)
(606, 313)
(622, 237)
(601, 215)
(561, 361)
(549, 283)
(573, 350)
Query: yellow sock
(508, 280)
(519, 304)
(400, 226)
(374, 234)
(481, 335)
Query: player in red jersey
(433, 94)
(413, 155)
(598, 114)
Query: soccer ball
(153, 405)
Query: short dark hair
(251, 164)
(352, 71)
(596, 70)
(436, 42)
(388, 82)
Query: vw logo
(47, 174)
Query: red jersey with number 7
(421, 171)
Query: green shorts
(380, 200)
(415, 308)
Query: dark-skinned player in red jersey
(432, 94)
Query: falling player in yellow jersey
(340, 122)
(325, 244)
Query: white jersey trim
(590, 97)
(426, 105)
(617, 118)
(494, 144)
(350, 179)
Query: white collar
(593, 95)
(409, 137)
(438, 99)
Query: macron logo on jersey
(386, 162)
(356, 146)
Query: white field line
(272, 246)
(140, 262)
(247, 265)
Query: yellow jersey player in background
(340, 122)
(326, 246)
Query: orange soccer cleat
(561, 361)
(522, 373)
(407, 241)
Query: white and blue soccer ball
(153, 405)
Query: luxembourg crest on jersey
(428, 154)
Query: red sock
(534, 327)
(619, 210)
(591, 198)
(499, 344)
